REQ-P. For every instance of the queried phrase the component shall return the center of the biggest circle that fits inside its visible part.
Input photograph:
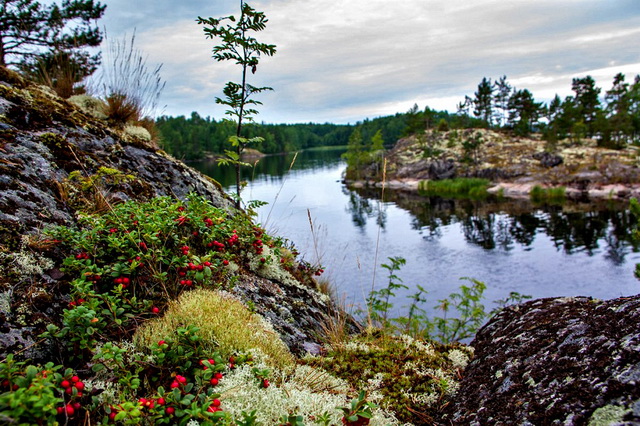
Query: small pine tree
(239, 46)
(355, 155)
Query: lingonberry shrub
(141, 255)
(32, 394)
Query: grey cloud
(344, 60)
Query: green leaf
(97, 368)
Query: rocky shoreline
(517, 190)
(513, 165)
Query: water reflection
(503, 225)
(272, 168)
(362, 209)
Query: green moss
(607, 415)
(52, 140)
(405, 375)
(225, 324)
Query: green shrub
(131, 261)
(31, 394)
(555, 195)
(473, 188)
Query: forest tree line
(193, 137)
(612, 119)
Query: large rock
(43, 140)
(564, 361)
(548, 159)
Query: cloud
(342, 61)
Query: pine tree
(355, 155)
(243, 49)
(501, 100)
(377, 142)
(524, 112)
(587, 102)
(36, 38)
(483, 101)
(618, 110)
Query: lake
(542, 251)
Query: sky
(342, 61)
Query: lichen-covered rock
(564, 361)
(503, 158)
(46, 143)
(548, 159)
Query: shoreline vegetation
(513, 167)
(135, 291)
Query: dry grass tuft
(226, 326)
(338, 326)
(121, 109)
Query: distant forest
(614, 120)
(191, 138)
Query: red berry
(65, 384)
(60, 410)
(265, 383)
(75, 379)
(225, 262)
(170, 410)
(174, 384)
(79, 386)
(112, 415)
(181, 379)
(155, 310)
(214, 382)
(70, 410)
(76, 405)
(69, 390)
(215, 403)
(161, 342)
(160, 401)
(125, 280)
(218, 376)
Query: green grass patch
(555, 195)
(474, 188)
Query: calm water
(541, 251)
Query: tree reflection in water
(501, 225)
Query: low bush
(473, 188)
(555, 195)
